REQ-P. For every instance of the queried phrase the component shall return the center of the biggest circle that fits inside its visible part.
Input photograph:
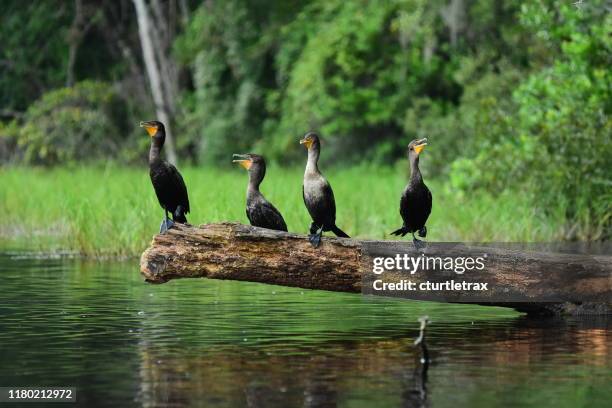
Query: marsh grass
(111, 211)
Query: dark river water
(121, 342)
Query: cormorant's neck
(255, 179)
(415, 172)
(313, 160)
(155, 151)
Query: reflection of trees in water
(387, 371)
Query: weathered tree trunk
(81, 24)
(525, 280)
(75, 36)
(154, 59)
(454, 17)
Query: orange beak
(307, 142)
(151, 129)
(419, 148)
(243, 160)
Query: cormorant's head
(155, 129)
(416, 147)
(254, 163)
(250, 161)
(310, 140)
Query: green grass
(112, 211)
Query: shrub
(72, 124)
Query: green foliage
(33, 50)
(477, 126)
(72, 124)
(228, 51)
(348, 69)
(9, 134)
(369, 75)
(344, 80)
(554, 137)
(352, 69)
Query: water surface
(122, 342)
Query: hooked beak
(419, 148)
(306, 142)
(149, 127)
(243, 160)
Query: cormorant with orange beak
(415, 204)
(260, 212)
(318, 194)
(167, 181)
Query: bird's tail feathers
(402, 231)
(339, 232)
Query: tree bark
(151, 52)
(535, 282)
(454, 18)
(74, 39)
(81, 24)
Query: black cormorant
(167, 181)
(415, 204)
(260, 212)
(318, 194)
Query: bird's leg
(315, 235)
(423, 232)
(162, 227)
(166, 223)
(312, 232)
(316, 238)
(418, 244)
(179, 215)
(169, 222)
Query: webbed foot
(418, 244)
(166, 224)
(315, 239)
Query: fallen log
(530, 281)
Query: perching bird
(415, 204)
(318, 194)
(167, 181)
(260, 212)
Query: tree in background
(157, 29)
